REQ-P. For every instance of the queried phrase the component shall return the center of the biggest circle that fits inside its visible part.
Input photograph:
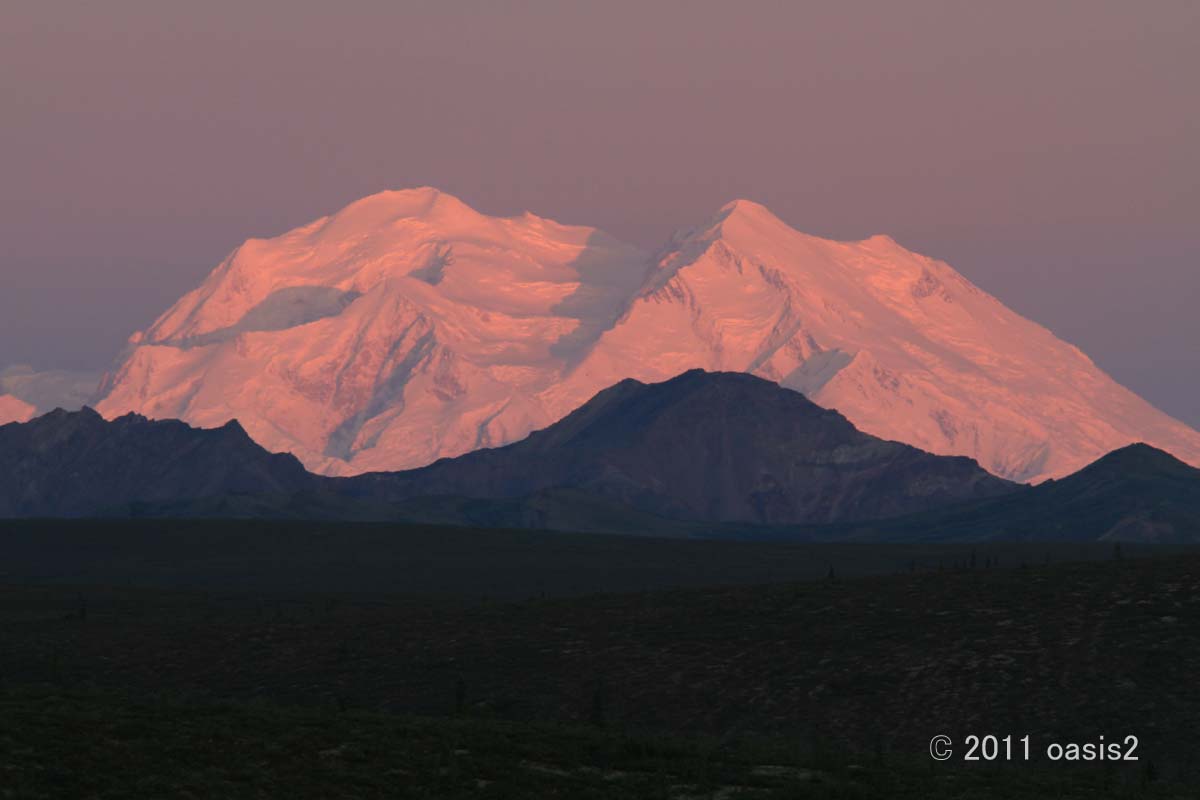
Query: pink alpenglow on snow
(407, 327)
(13, 409)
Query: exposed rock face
(408, 327)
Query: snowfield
(408, 327)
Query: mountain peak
(58, 415)
(716, 446)
(419, 199)
(747, 213)
(421, 203)
(746, 217)
(742, 206)
(234, 429)
(408, 327)
(738, 221)
(76, 464)
(698, 377)
(884, 241)
(1138, 457)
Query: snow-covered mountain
(404, 328)
(408, 327)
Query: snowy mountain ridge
(408, 327)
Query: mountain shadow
(1136, 493)
(722, 447)
(76, 464)
(721, 455)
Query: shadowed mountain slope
(703, 454)
(703, 447)
(1137, 493)
(711, 447)
(67, 464)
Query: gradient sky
(1048, 151)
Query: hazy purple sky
(1049, 151)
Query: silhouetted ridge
(703, 447)
(77, 464)
(1136, 493)
(1138, 458)
(712, 446)
(699, 454)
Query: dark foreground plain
(825, 687)
(466, 564)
